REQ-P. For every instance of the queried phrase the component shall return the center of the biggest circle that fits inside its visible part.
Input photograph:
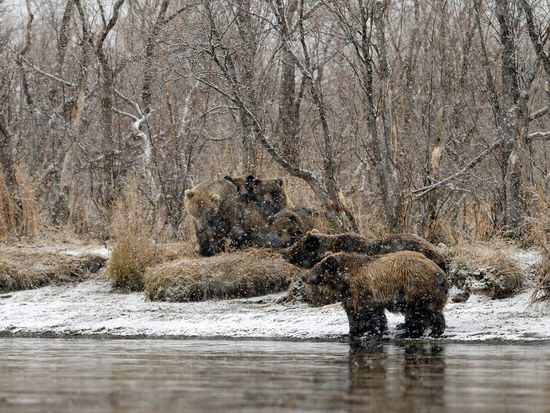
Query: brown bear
(217, 215)
(289, 225)
(314, 246)
(268, 194)
(406, 282)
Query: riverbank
(94, 309)
(91, 307)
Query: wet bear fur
(312, 248)
(217, 215)
(403, 282)
(291, 224)
(268, 194)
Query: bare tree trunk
(246, 62)
(509, 117)
(290, 100)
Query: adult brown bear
(312, 248)
(405, 282)
(229, 211)
(215, 208)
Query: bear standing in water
(405, 282)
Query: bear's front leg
(437, 325)
(369, 320)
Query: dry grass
(18, 220)
(487, 270)
(538, 233)
(26, 269)
(7, 210)
(134, 249)
(246, 273)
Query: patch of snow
(94, 308)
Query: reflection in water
(40, 375)
(414, 381)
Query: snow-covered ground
(94, 308)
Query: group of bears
(402, 273)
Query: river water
(91, 375)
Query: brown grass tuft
(542, 292)
(246, 273)
(538, 232)
(32, 269)
(134, 249)
(19, 220)
(8, 224)
(486, 270)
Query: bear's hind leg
(415, 323)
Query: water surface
(88, 375)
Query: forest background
(429, 117)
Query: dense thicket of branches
(435, 114)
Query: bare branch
(420, 192)
(539, 136)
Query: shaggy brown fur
(240, 274)
(217, 216)
(289, 225)
(405, 282)
(314, 246)
(269, 195)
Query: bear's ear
(228, 178)
(314, 231)
(189, 193)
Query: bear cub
(403, 282)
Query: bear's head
(330, 272)
(307, 252)
(270, 195)
(202, 204)
(285, 228)
(245, 186)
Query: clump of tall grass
(248, 273)
(26, 269)
(538, 233)
(486, 269)
(134, 249)
(18, 206)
